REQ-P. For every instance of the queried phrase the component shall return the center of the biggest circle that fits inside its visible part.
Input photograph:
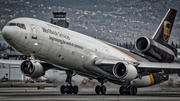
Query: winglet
(163, 32)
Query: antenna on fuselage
(60, 19)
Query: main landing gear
(69, 89)
(128, 90)
(101, 89)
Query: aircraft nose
(7, 33)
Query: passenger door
(34, 31)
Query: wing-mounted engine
(163, 53)
(122, 70)
(125, 71)
(34, 69)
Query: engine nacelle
(125, 71)
(149, 80)
(32, 69)
(152, 48)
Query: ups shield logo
(167, 29)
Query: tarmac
(22, 84)
(86, 94)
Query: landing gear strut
(128, 90)
(69, 89)
(101, 89)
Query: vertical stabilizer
(163, 32)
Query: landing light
(82, 56)
(35, 44)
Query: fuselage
(61, 46)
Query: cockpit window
(20, 25)
(11, 24)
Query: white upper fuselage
(60, 46)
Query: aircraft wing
(138, 65)
(99, 62)
(18, 62)
(152, 65)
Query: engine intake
(142, 44)
(125, 71)
(32, 69)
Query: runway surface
(51, 94)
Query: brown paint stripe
(151, 78)
(120, 51)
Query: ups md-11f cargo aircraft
(150, 63)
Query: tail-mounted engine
(33, 69)
(125, 71)
(163, 53)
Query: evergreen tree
(126, 45)
(120, 45)
(172, 43)
(176, 46)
